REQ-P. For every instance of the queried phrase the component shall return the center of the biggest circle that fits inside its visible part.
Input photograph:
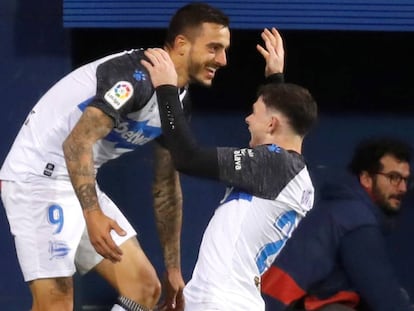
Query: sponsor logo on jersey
(58, 249)
(238, 154)
(307, 199)
(237, 160)
(48, 171)
(129, 134)
(119, 94)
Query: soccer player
(269, 188)
(60, 219)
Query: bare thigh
(54, 294)
(134, 276)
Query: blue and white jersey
(250, 227)
(118, 85)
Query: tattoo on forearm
(72, 151)
(87, 196)
(78, 151)
(168, 207)
(168, 218)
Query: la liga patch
(119, 94)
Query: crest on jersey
(119, 94)
(58, 249)
(139, 75)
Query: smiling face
(388, 187)
(259, 122)
(207, 53)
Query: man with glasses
(336, 260)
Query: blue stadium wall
(37, 50)
(248, 14)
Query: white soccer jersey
(247, 232)
(44, 213)
(126, 95)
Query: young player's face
(390, 185)
(259, 122)
(208, 53)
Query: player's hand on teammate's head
(160, 66)
(273, 51)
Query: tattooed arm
(168, 214)
(77, 148)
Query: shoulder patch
(119, 94)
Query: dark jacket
(337, 253)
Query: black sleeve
(189, 158)
(366, 262)
(187, 105)
(275, 78)
(122, 85)
(263, 171)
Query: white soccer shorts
(49, 230)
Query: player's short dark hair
(192, 16)
(368, 153)
(294, 101)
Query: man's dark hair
(294, 101)
(368, 153)
(191, 17)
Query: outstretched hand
(273, 52)
(160, 67)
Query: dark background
(347, 71)
(361, 80)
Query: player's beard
(197, 72)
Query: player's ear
(181, 44)
(273, 124)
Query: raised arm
(273, 52)
(78, 152)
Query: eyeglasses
(395, 179)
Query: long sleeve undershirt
(189, 158)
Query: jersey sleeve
(188, 156)
(186, 105)
(275, 78)
(262, 171)
(123, 85)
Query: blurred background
(354, 56)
